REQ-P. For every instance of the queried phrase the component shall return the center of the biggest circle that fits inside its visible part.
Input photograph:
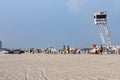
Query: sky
(54, 23)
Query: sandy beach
(59, 67)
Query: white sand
(59, 67)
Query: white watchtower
(100, 19)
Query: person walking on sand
(101, 49)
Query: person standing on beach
(64, 49)
(101, 49)
(68, 49)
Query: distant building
(0, 44)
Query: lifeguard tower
(100, 19)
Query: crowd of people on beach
(69, 50)
(51, 50)
(64, 50)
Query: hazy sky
(46, 23)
